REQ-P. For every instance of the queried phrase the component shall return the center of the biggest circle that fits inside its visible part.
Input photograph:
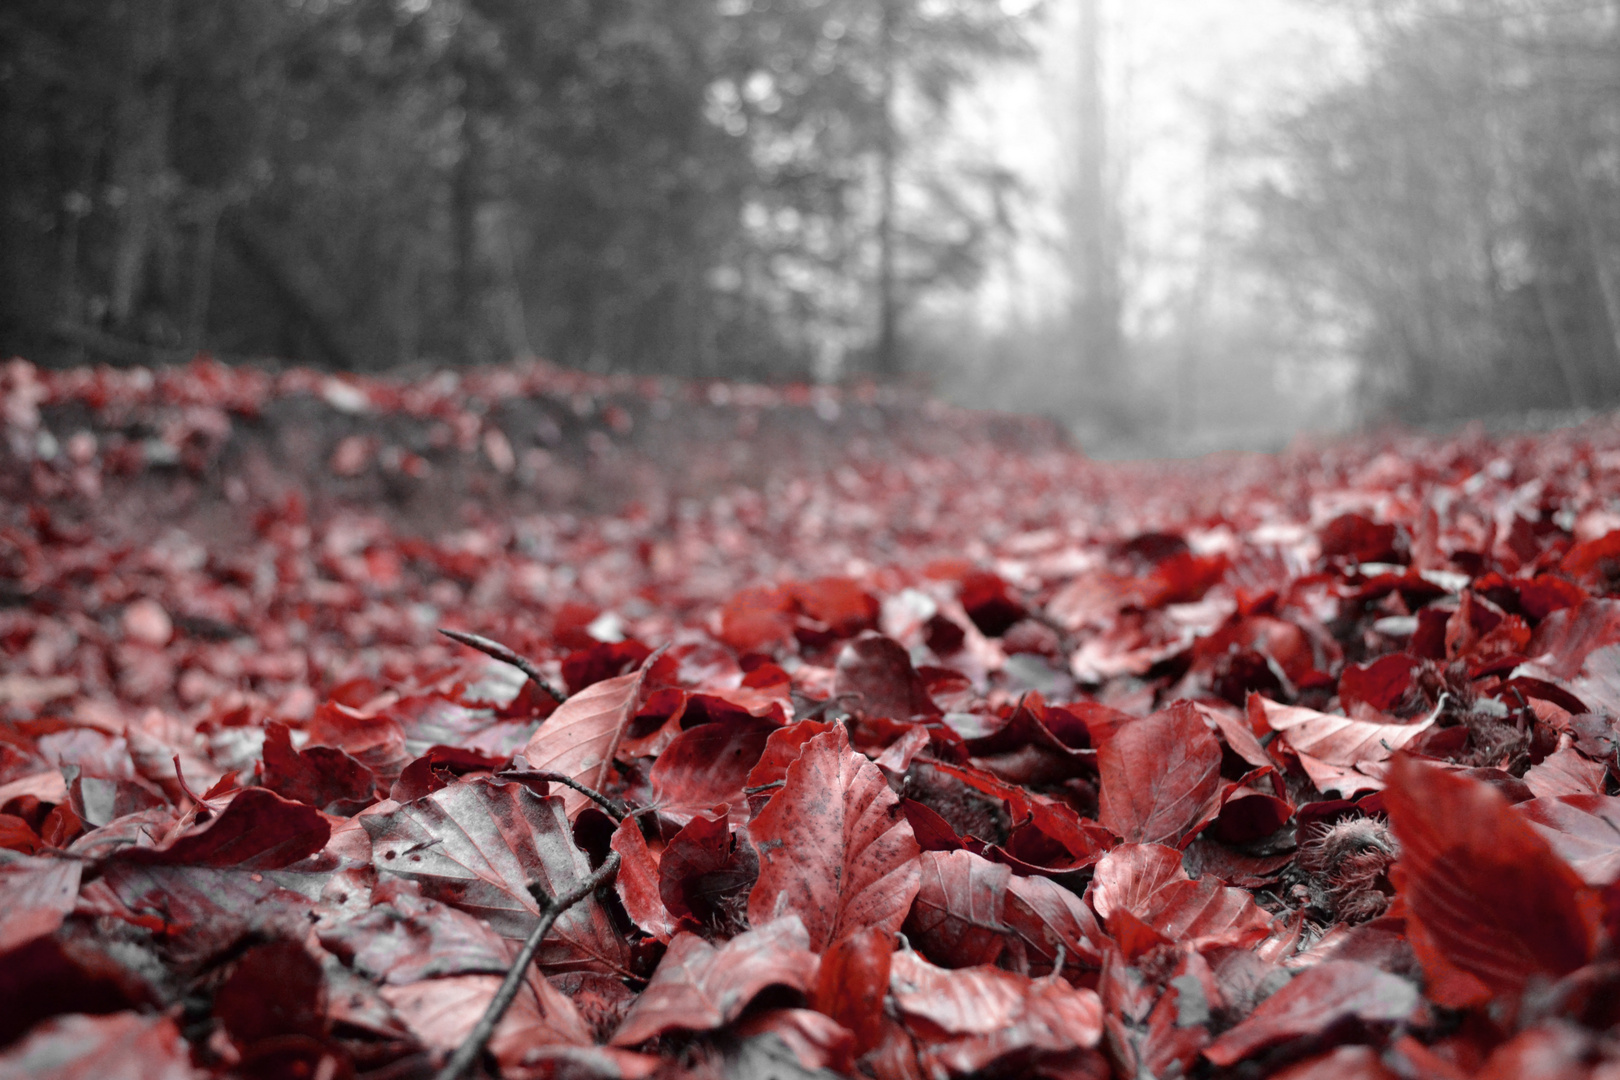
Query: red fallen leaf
(1337, 740)
(441, 1012)
(757, 619)
(1314, 1001)
(707, 765)
(706, 869)
(1547, 593)
(1489, 905)
(1026, 731)
(602, 660)
(959, 916)
(78, 1047)
(898, 755)
(322, 776)
(439, 767)
(1048, 837)
(878, 672)
(1051, 839)
(654, 724)
(699, 987)
(781, 750)
(1147, 882)
(834, 846)
(259, 830)
(1565, 638)
(967, 1001)
(1583, 829)
(970, 1018)
(275, 989)
(374, 739)
(1184, 578)
(1378, 684)
(984, 596)
(1594, 560)
(1058, 1027)
(1235, 731)
(852, 982)
(69, 972)
(933, 832)
(1567, 772)
(817, 1041)
(1341, 1063)
(1354, 537)
(1047, 923)
(1552, 1050)
(581, 737)
(840, 603)
(1249, 814)
(1101, 722)
(36, 895)
(637, 881)
(1159, 776)
(17, 835)
(1128, 878)
(478, 845)
(404, 938)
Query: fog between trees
(780, 190)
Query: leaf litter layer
(917, 747)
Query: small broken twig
(611, 806)
(506, 656)
(473, 1045)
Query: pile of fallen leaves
(924, 753)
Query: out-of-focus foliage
(1460, 201)
(687, 185)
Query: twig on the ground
(472, 1047)
(611, 806)
(506, 656)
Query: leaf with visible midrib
(1491, 905)
(835, 848)
(478, 845)
(1158, 775)
(581, 737)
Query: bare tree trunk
(1097, 308)
(141, 162)
(1185, 394)
(466, 189)
(1592, 232)
(888, 345)
(202, 273)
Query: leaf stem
(472, 1047)
(500, 652)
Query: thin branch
(472, 1047)
(506, 656)
(613, 807)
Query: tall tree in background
(1098, 335)
(684, 186)
(1458, 206)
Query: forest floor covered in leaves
(897, 740)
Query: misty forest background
(788, 190)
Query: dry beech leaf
(1314, 1001)
(835, 847)
(1490, 905)
(1160, 776)
(581, 737)
(478, 845)
(699, 987)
